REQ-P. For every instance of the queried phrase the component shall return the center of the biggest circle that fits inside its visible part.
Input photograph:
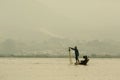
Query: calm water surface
(58, 69)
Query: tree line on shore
(58, 48)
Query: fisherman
(76, 54)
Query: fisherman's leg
(77, 60)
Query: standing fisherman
(76, 54)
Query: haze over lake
(81, 20)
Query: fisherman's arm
(72, 48)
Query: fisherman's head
(75, 47)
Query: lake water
(58, 69)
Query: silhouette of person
(76, 54)
(84, 62)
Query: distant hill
(55, 47)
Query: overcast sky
(75, 19)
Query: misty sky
(74, 19)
